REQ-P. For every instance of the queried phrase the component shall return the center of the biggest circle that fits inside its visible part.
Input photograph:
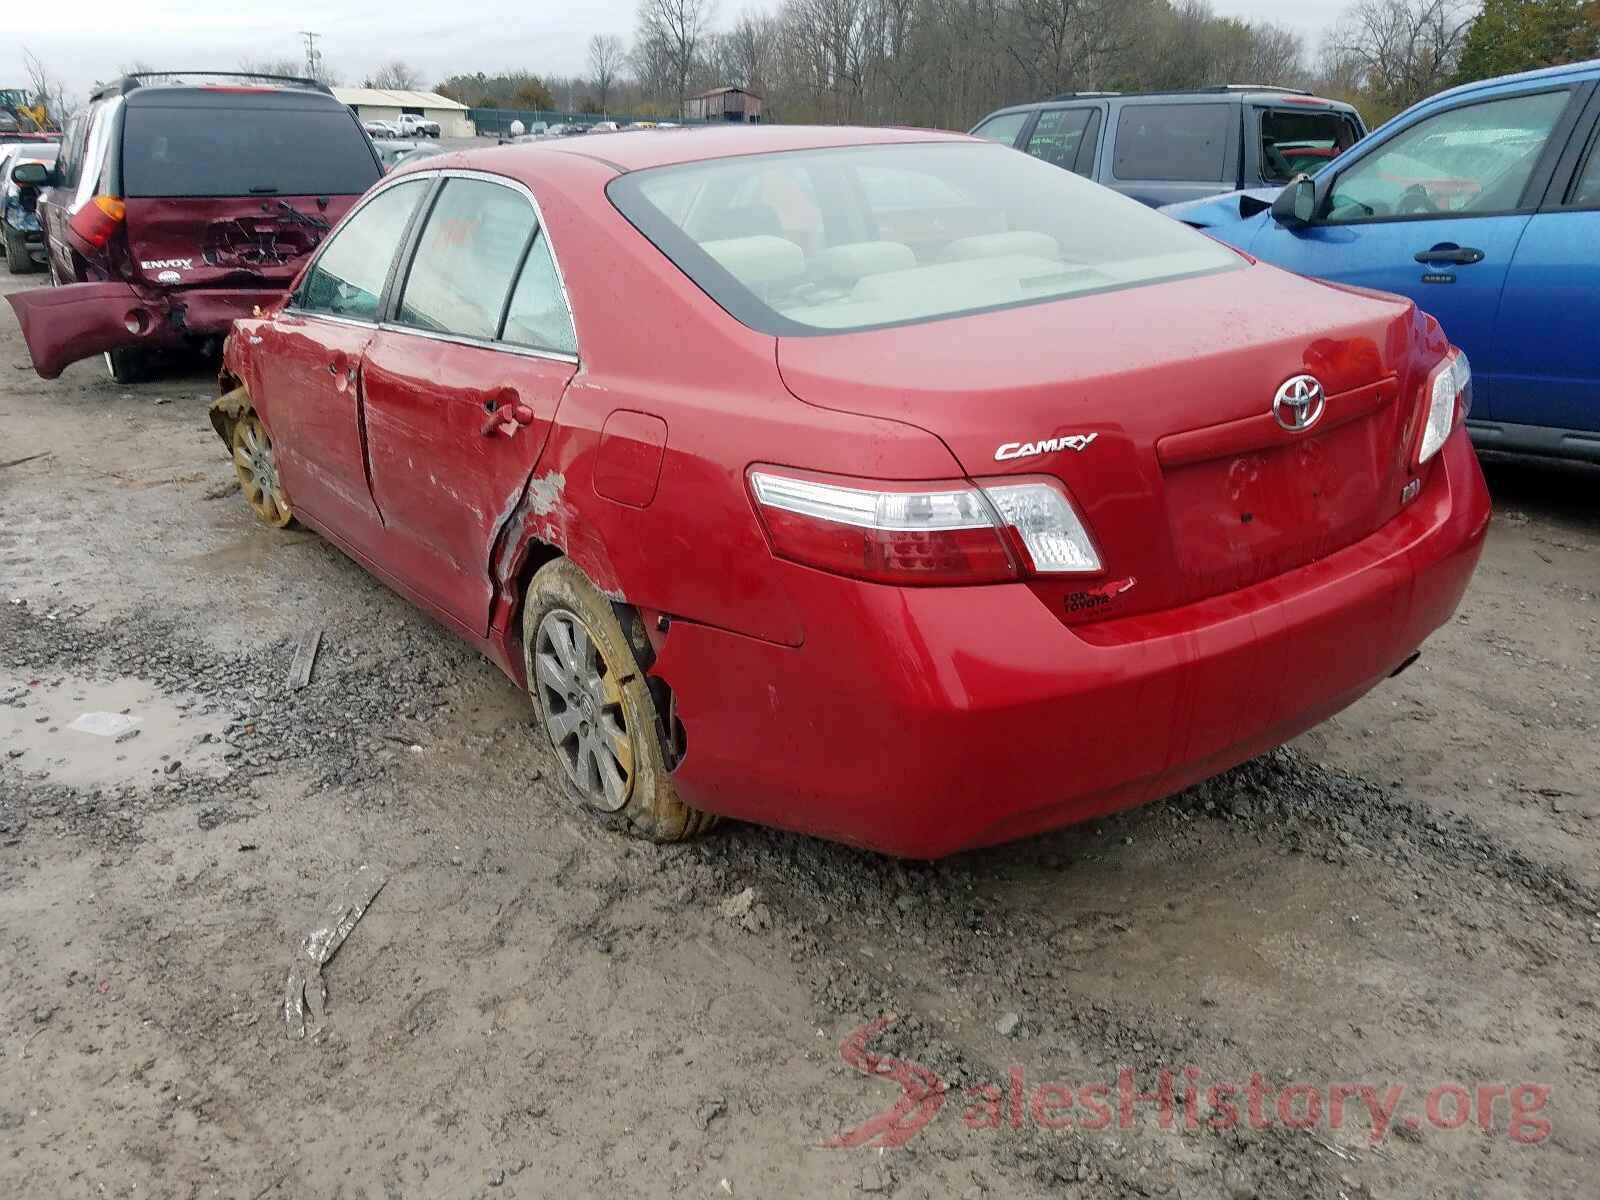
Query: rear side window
(470, 250)
(195, 151)
(538, 317)
(348, 276)
(1058, 137)
(1173, 142)
(1003, 128)
(1295, 141)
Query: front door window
(1473, 160)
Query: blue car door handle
(1446, 253)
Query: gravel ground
(1408, 896)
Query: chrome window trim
(543, 230)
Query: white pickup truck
(411, 125)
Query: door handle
(507, 420)
(1464, 255)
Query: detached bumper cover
(920, 722)
(65, 324)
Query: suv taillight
(1448, 392)
(953, 532)
(97, 220)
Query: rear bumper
(79, 320)
(920, 722)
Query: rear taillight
(942, 533)
(1449, 396)
(97, 220)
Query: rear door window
(1173, 142)
(1058, 137)
(474, 241)
(538, 317)
(1295, 142)
(199, 151)
(348, 277)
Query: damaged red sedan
(885, 485)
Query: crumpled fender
(226, 410)
(64, 324)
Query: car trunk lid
(1153, 405)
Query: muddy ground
(1409, 896)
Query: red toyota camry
(886, 485)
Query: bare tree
(607, 56)
(1278, 54)
(394, 76)
(271, 66)
(46, 91)
(1402, 50)
(746, 54)
(675, 29)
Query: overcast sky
(545, 36)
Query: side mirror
(1296, 205)
(31, 174)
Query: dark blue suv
(1164, 147)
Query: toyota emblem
(1298, 404)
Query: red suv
(172, 209)
(887, 485)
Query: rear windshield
(246, 151)
(820, 241)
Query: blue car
(1482, 204)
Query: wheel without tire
(597, 709)
(126, 366)
(258, 471)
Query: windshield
(820, 241)
(194, 150)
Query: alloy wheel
(582, 708)
(258, 471)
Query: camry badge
(1073, 441)
(1298, 404)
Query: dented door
(453, 432)
(461, 387)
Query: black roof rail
(1216, 89)
(139, 79)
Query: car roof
(1254, 94)
(218, 95)
(642, 149)
(1566, 71)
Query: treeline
(947, 62)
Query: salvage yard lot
(1409, 895)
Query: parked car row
(406, 125)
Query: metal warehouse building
(381, 104)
